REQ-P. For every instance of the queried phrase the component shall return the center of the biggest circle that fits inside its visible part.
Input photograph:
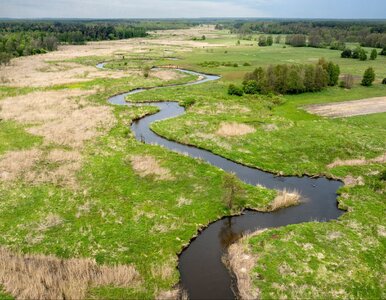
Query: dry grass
(59, 166)
(353, 181)
(176, 294)
(234, 129)
(166, 74)
(59, 117)
(48, 277)
(146, 165)
(358, 162)
(285, 199)
(349, 108)
(16, 163)
(241, 261)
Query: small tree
(232, 189)
(269, 40)
(235, 90)
(333, 72)
(278, 39)
(383, 52)
(368, 77)
(347, 81)
(374, 54)
(362, 55)
(384, 81)
(262, 41)
(146, 71)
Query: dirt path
(349, 108)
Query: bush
(347, 53)
(384, 81)
(296, 40)
(347, 81)
(146, 71)
(262, 41)
(246, 64)
(235, 90)
(363, 55)
(374, 54)
(251, 87)
(5, 58)
(383, 52)
(368, 77)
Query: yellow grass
(285, 199)
(146, 165)
(15, 163)
(358, 162)
(241, 261)
(48, 277)
(234, 129)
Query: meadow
(95, 201)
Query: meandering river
(203, 274)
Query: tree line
(289, 79)
(28, 38)
(320, 34)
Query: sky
(336, 9)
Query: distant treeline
(319, 33)
(26, 37)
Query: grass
(118, 217)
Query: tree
(362, 55)
(232, 189)
(269, 40)
(347, 53)
(5, 58)
(321, 78)
(295, 81)
(315, 40)
(262, 41)
(347, 81)
(333, 72)
(383, 52)
(374, 54)
(296, 40)
(368, 77)
(235, 90)
(278, 39)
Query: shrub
(146, 71)
(368, 77)
(362, 55)
(235, 90)
(262, 41)
(5, 58)
(374, 54)
(347, 81)
(384, 81)
(347, 53)
(383, 52)
(246, 64)
(296, 40)
(250, 87)
(269, 40)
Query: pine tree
(368, 77)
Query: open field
(349, 108)
(76, 185)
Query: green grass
(14, 137)
(137, 220)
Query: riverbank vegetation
(99, 194)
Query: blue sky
(193, 8)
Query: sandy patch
(358, 162)
(349, 108)
(146, 165)
(234, 129)
(48, 277)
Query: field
(75, 184)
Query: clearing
(349, 108)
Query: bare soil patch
(48, 277)
(166, 74)
(349, 108)
(234, 129)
